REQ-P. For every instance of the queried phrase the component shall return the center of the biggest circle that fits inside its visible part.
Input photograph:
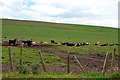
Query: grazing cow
(65, 43)
(103, 44)
(111, 44)
(77, 44)
(117, 44)
(27, 42)
(52, 41)
(18, 42)
(45, 42)
(36, 43)
(84, 43)
(68, 44)
(12, 42)
(97, 43)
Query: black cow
(103, 44)
(111, 44)
(12, 42)
(65, 43)
(52, 41)
(68, 44)
(27, 42)
(117, 44)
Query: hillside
(45, 31)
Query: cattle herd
(15, 42)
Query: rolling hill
(45, 31)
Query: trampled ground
(90, 62)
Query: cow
(12, 42)
(117, 44)
(104, 44)
(52, 41)
(77, 44)
(27, 42)
(111, 44)
(98, 43)
(65, 43)
(84, 43)
(68, 44)
(45, 42)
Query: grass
(61, 75)
(30, 56)
(44, 31)
(91, 49)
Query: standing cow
(12, 42)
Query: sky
(90, 12)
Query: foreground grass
(59, 75)
(30, 56)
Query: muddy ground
(90, 63)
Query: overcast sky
(93, 12)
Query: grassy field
(31, 57)
(44, 31)
(89, 49)
(95, 76)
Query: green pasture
(29, 56)
(91, 49)
(89, 76)
(44, 31)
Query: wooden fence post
(104, 65)
(41, 58)
(79, 63)
(20, 58)
(113, 59)
(68, 63)
(10, 58)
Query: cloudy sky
(93, 12)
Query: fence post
(104, 65)
(10, 58)
(41, 58)
(113, 59)
(79, 63)
(20, 58)
(68, 63)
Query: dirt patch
(6, 68)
